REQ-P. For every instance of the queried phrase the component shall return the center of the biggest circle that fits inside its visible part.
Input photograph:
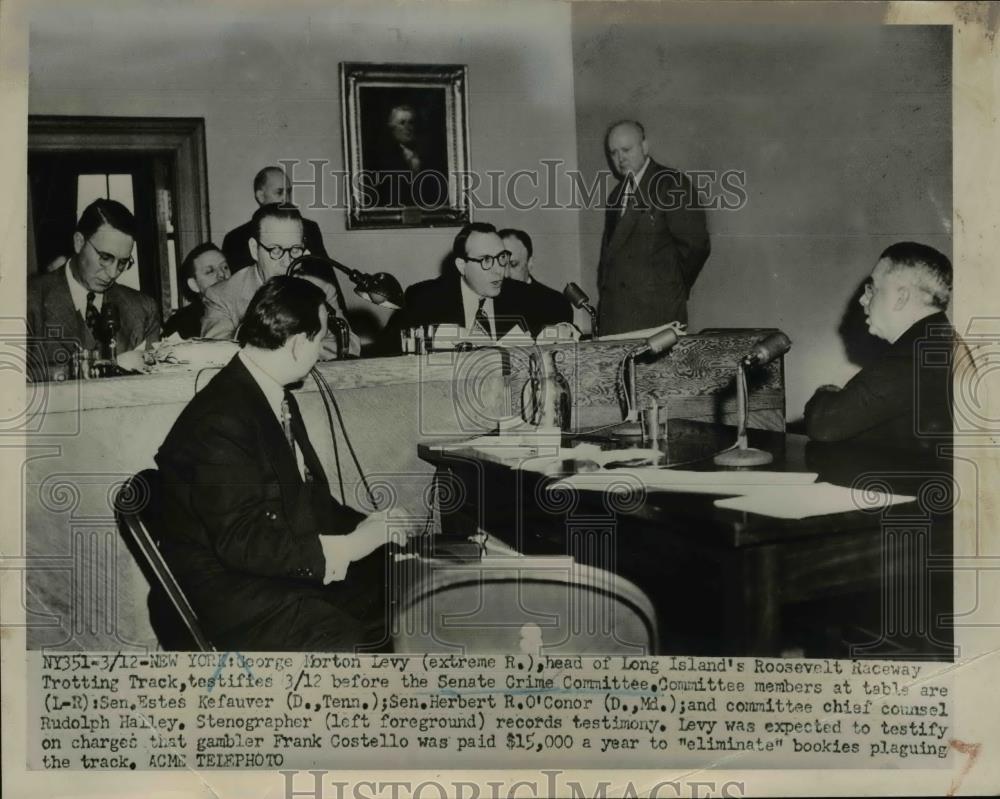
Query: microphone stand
(766, 350)
(741, 454)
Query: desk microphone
(763, 352)
(578, 299)
(657, 343)
(767, 349)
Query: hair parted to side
(105, 212)
(281, 308)
(520, 235)
(929, 269)
(273, 211)
(458, 248)
(260, 179)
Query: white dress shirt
(335, 547)
(79, 294)
(470, 306)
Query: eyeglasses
(276, 251)
(110, 261)
(501, 259)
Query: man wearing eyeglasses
(277, 241)
(69, 308)
(476, 296)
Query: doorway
(154, 166)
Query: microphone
(767, 349)
(576, 295)
(578, 299)
(111, 322)
(657, 343)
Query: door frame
(182, 139)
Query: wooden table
(724, 581)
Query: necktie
(93, 316)
(295, 434)
(482, 320)
(627, 195)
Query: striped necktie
(482, 320)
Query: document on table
(818, 499)
(685, 481)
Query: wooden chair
(137, 506)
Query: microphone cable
(330, 399)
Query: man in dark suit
(903, 399)
(475, 296)
(655, 238)
(69, 308)
(522, 257)
(270, 186)
(268, 559)
(201, 269)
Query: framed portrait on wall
(405, 144)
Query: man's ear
(193, 286)
(294, 344)
(530, 263)
(259, 196)
(902, 298)
(78, 242)
(460, 265)
(253, 248)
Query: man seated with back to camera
(203, 267)
(903, 399)
(277, 240)
(267, 557)
(474, 293)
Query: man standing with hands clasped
(655, 238)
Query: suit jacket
(227, 302)
(186, 321)
(240, 525)
(55, 328)
(236, 248)
(549, 298)
(439, 301)
(902, 400)
(651, 255)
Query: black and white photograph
(511, 386)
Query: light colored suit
(227, 302)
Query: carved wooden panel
(695, 380)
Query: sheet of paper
(645, 332)
(813, 500)
(730, 482)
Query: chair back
(522, 605)
(137, 508)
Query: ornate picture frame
(406, 144)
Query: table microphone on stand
(654, 345)
(578, 299)
(110, 324)
(763, 352)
